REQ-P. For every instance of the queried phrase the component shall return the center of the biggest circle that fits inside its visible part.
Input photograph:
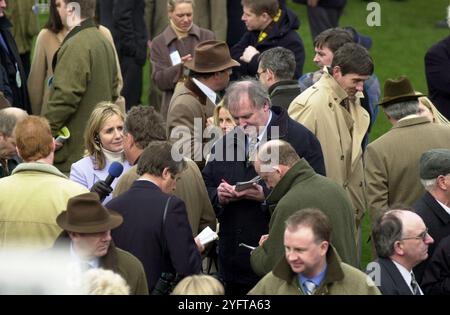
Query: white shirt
(406, 276)
(447, 209)
(93, 263)
(205, 89)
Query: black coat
(11, 164)
(437, 71)
(141, 234)
(236, 27)
(437, 220)
(126, 21)
(283, 33)
(390, 279)
(244, 221)
(436, 278)
(12, 66)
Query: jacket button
(342, 157)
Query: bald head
(401, 235)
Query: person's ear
(53, 145)
(166, 173)
(324, 247)
(336, 71)
(73, 235)
(270, 76)
(18, 152)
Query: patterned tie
(309, 287)
(415, 285)
(252, 145)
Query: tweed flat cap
(434, 162)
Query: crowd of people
(236, 139)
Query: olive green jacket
(340, 279)
(85, 74)
(25, 23)
(298, 189)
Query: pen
(246, 246)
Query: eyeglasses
(258, 74)
(422, 236)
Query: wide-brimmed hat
(398, 90)
(211, 56)
(86, 214)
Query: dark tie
(415, 285)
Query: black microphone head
(115, 169)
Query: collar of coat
(109, 261)
(195, 91)
(37, 167)
(334, 272)
(88, 23)
(337, 92)
(169, 34)
(5, 23)
(281, 86)
(301, 171)
(412, 121)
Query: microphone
(103, 187)
(114, 170)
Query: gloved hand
(102, 189)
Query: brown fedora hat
(86, 214)
(211, 56)
(398, 90)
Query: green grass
(407, 30)
(399, 45)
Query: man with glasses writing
(401, 240)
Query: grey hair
(250, 87)
(428, 184)
(400, 110)
(387, 229)
(280, 61)
(9, 117)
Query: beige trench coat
(340, 133)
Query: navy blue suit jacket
(391, 280)
(437, 71)
(141, 232)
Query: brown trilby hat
(86, 214)
(398, 90)
(211, 56)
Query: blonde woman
(174, 46)
(103, 140)
(427, 108)
(48, 41)
(199, 285)
(223, 119)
